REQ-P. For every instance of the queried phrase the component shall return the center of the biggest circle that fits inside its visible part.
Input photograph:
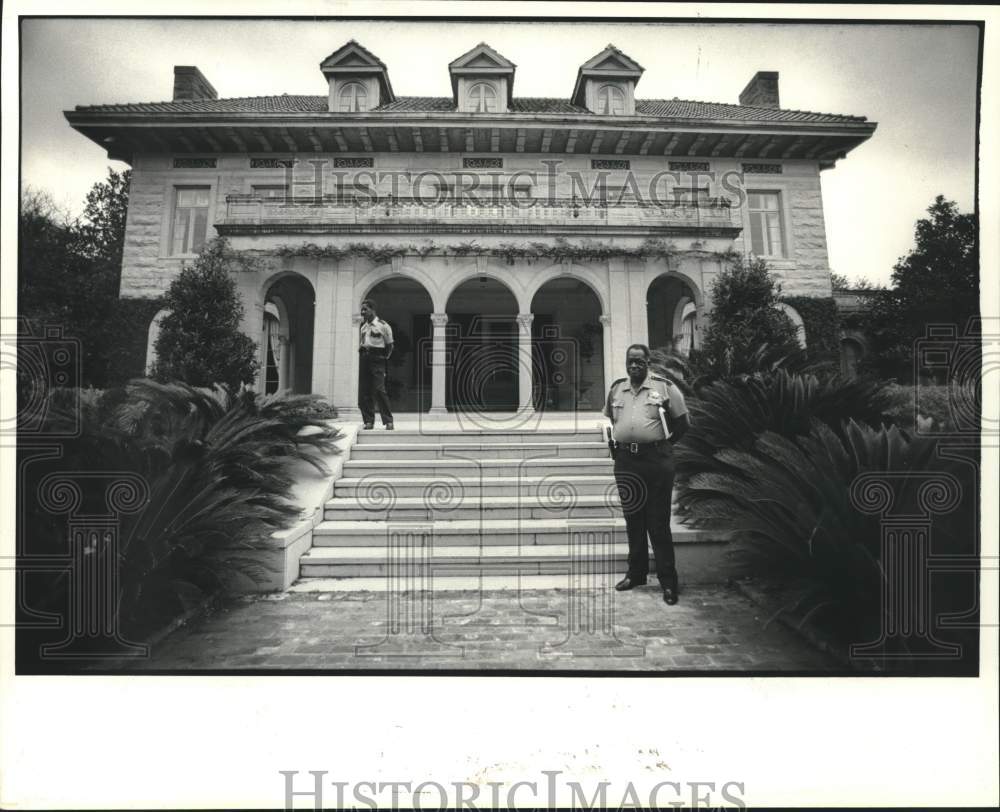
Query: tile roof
(677, 108)
(658, 108)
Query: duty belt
(377, 350)
(639, 448)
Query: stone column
(324, 325)
(609, 361)
(619, 306)
(439, 363)
(638, 317)
(525, 404)
(345, 343)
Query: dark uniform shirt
(636, 415)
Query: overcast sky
(917, 82)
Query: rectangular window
(190, 219)
(766, 236)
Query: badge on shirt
(655, 397)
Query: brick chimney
(190, 84)
(762, 90)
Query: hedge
(127, 358)
(822, 323)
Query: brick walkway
(713, 628)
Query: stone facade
(435, 202)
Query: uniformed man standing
(648, 416)
(375, 349)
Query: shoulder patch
(620, 380)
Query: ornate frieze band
(272, 163)
(194, 163)
(689, 166)
(598, 163)
(353, 163)
(761, 169)
(482, 163)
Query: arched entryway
(482, 347)
(567, 347)
(672, 314)
(287, 342)
(851, 353)
(407, 306)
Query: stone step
(568, 466)
(480, 450)
(379, 504)
(491, 532)
(449, 583)
(437, 436)
(697, 562)
(554, 486)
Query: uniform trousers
(645, 487)
(371, 387)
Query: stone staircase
(439, 505)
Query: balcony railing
(275, 212)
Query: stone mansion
(516, 245)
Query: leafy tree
(102, 232)
(839, 281)
(936, 283)
(69, 270)
(745, 319)
(200, 342)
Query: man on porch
(375, 349)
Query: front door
(483, 374)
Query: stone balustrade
(274, 212)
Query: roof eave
(96, 118)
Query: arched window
(482, 98)
(796, 320)
(353, 98)
(851, 353)
(610, 101)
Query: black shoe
(628, 582)
(670, 595)
(369, 426)
(388, 427)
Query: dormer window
(610, 101)
(482, 98)
(482, 81)
(353, 98)
(358, 80)
(605, 83)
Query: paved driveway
(713, 628)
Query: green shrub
(822, 325)
(219, 472)
(931, 404)
(745, 319)
(200, 342)
(790, 502)
(733, 413)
